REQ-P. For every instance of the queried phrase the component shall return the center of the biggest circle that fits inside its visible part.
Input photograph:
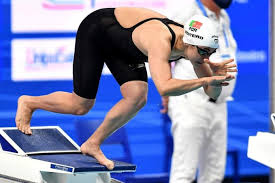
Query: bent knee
(81, 111)
(135, 92)
(83, 108)
(142, 102)
(139, 101)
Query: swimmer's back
(129, 16)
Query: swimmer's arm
(203, 71)
(158, 55)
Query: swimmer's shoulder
(143, 13)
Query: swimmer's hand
(218, 81)
(222, 68)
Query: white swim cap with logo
(201, 31)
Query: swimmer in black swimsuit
(124, 38)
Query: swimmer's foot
(23, 115)
(94, 150)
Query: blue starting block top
(53, 145)
(41, 140)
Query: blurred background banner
(251, 33)
(65, 15)
(42, 59)
(48, 15)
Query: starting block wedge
(49, 155)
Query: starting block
(261, 147)
(49, 155)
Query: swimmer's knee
(135, 92)
(83, 108)
(81, 111)
(142, 101)
(138, 98)
(139, 101)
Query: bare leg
(134, 98)
(59, 102)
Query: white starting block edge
(261, 148)
(22, 168)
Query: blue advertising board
(249, 23)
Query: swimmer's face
(198, 53)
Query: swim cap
(200, 31)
